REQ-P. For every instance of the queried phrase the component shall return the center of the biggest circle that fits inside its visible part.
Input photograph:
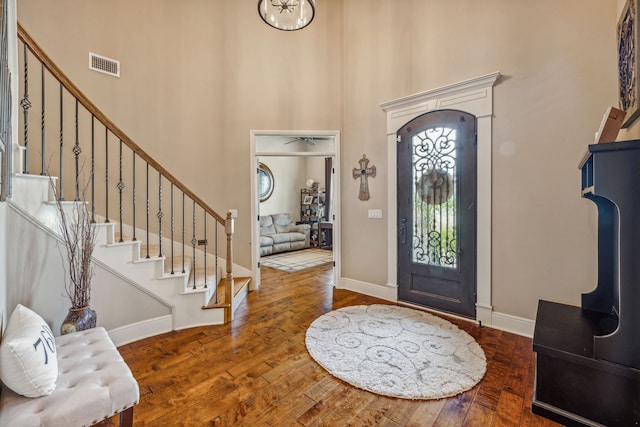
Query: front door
(437, 212)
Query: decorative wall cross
(363, 173)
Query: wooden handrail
(101, 117)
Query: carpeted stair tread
(125, 237)
(200, 274)
(177, 264)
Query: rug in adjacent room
(297, 260)
(396, 351)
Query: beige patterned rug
(297, 260)
(396, 351)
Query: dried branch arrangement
(79, 236)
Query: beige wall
(558, 64)
(197, 76)
(288, 176)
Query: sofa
(279, 233)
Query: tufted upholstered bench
(94, 383)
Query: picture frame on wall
(628, 49)
(265, 182)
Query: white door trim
(474, 96)
(335, 196)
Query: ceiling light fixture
(287, 15)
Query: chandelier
(287, 15)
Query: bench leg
(126, 418)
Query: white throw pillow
(28, 360)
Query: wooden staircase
(193, 302)
(128, 194)
(238, 286)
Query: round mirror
(265, 182)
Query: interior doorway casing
(474, 96)
(258, 153)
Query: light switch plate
(375, 213)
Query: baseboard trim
(385, 292)
(513, 324)
(485, 314)
(144, 329)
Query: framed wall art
(628, 89)
(265, 182)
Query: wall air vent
(104, 65)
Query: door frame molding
(255, 154)
(474, 96)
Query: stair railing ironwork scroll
(81, 126)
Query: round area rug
(396, 351)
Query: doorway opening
(295, 194)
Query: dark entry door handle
(403, 231)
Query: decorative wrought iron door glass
(435, 197)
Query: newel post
(228, 228)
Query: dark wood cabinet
(588, 357)
(325, 232)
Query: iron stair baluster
(106, 173)
(205, 249)
(93, 168)
(26, 104)
(61, 170)
(215, 291)
(120, 188)
(159, 214)
(42, 142)
(134, 196)
(183, 270)
(172, 258)
(147, 227)
(76, 151)
(193, 244)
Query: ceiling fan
(309, 139)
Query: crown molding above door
(474, 96)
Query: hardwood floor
(257, 372)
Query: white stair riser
(30, 192)
(116, 254)
(187, 317)
(177, 281)
(119, 257)
(104, 235)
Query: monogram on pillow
(28, 361)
